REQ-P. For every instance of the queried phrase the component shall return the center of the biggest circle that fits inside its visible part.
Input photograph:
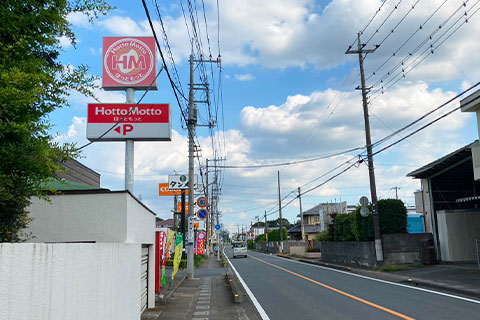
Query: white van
(239, 249)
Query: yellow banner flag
(178, 253)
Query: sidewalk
(206, 297)
(462, 279)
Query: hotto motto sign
(146, 122)
(129, 62)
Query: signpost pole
(182, 217)
(129, 150)
(191, 135)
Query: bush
(313, 249)
(250, 245)
(197, 260)
(261, 238)
(393, 216)
(363, 226)
(274, 235)
(183, 264)
(343, 227)
(323, 236)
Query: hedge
(274, 235)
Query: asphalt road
(286, 289)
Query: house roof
(438, 165)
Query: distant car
(240, 249)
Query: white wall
(101, 217)
(69, 281)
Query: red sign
(160, 244)
(146, 122)
(129, 62)
(201, 243)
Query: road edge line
(255, 302)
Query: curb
(392, 277)
(232, 282)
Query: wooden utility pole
(280, 213)
(368, 140)
(301, 214)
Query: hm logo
(129, 61)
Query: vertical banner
(159, 244)
(178, 253)
(166, 254)
(200, 243)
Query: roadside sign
(202, 214)
(364, 201)
(180, 181)
(179, 207)
(142, 122)
(202, 202)
(364, 211)
(163, 190)
(129, 62)
(217, 227)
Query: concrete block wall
(352, 253)
(69, 281)
(403, 248)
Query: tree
(34, 83)
(276, 223)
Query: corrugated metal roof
(443, 163)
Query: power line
(384, 21)
(369, 22)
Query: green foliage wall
(393, 216)
(274, 235)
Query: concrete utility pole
(191, 122)
(396, 191)
(371, 172)
(129, 150)
(209, 212)
(266, 228)
(280, 213)
(302, 227)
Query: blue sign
(202, 214)
(217, 227)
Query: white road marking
(380, 280)
(257, 305)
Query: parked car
(239, 249)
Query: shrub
(343, 227)
(250, 245)
(393, 216)
(274, 235)
(314, 249)
(261, 238)
(323, 236)
(197, 260)
(362, 226)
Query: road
(287, 289)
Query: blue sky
(285, 99)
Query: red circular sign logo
(128, 61)
(201, 235)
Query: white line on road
(257, 305)
(379, 280)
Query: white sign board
(180, 181)
(142, 122)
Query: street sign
(129, 62)
(202, 214)
(180, 181)
(179, 207)
(163, 190)
(202, 202)
(217, 227)
(142, 122)
(364, 211)
(364, 201)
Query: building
(317, 219)
(169, 223)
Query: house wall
(80, 217)
(457, 230)
(354, 253)
(70, 281)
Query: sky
(288, 93)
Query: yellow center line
(339, 291)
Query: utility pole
(371, 172)
(266, 228)
(129, 150)
(302, 227)
(209, 209)
(396, 191)
(280, 213)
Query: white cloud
(244, 77)
(65, 42)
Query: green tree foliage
(261, 238)
(250, 244)
(34, 83)
(323, 236)
(343, 227)
(393, 216)
(363, 226)
(274, 235)
(276, 223)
